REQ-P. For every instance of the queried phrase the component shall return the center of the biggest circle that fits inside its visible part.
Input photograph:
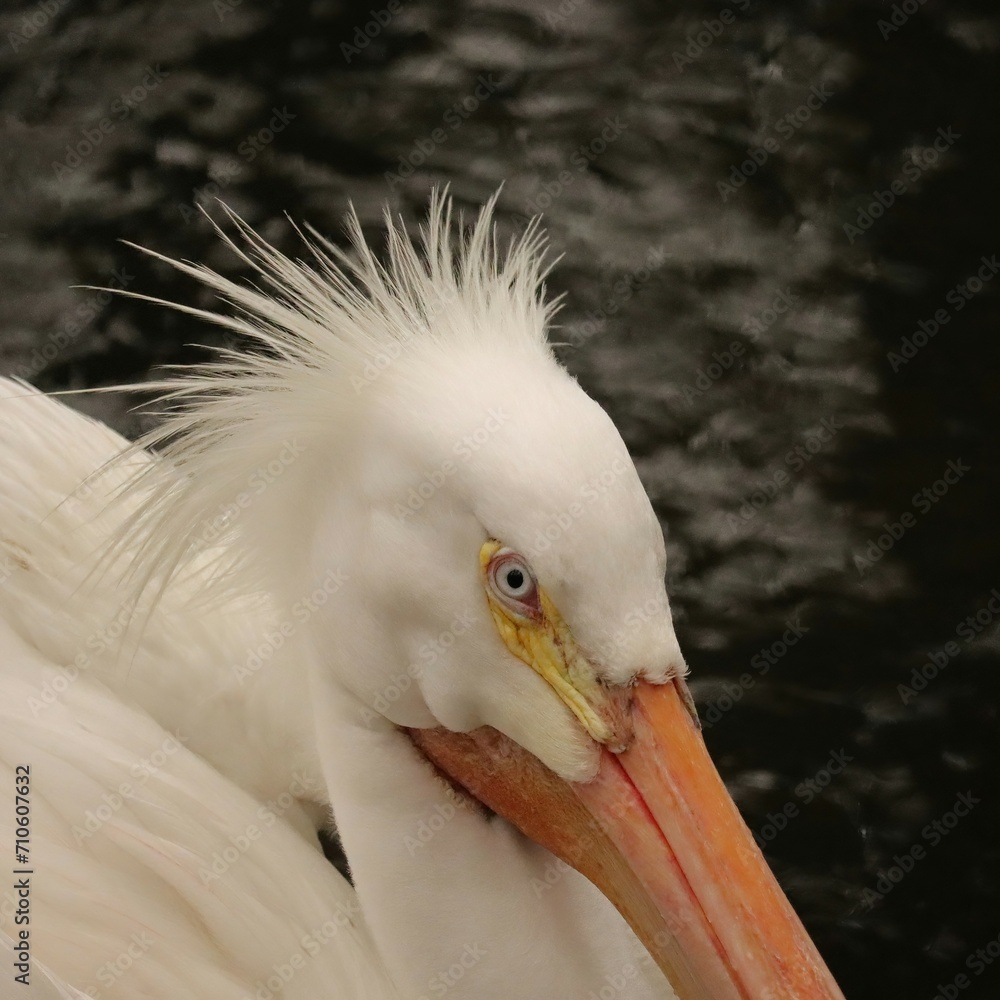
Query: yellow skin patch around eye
(547, 646)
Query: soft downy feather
(143, 852)
(168, 859)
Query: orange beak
(658, 834)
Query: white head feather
(392, 379)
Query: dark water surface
(756, 217)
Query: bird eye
(513, 582)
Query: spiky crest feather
(322, 337)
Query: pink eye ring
(511, 580)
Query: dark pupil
(515, 578)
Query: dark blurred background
(778, 225)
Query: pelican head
(456, 534)
(500, 524)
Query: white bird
(398, 565)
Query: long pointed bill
(657, 832)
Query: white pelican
(399, 566)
